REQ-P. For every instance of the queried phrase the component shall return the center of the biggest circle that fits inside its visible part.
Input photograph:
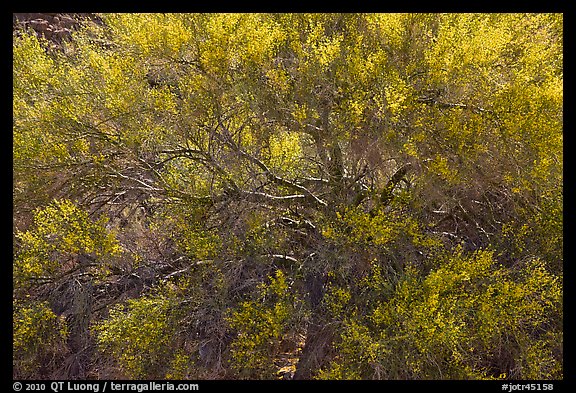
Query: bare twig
(272, 177)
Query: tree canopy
(307, 196)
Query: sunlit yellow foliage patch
(37, 332)
(151, 33)
(285, 151)
(61, 231)
(260, 325)
(137, 336)
(466, 305)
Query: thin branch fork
(274, 178)
(145, 185)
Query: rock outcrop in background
(55, 27)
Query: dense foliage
(332, 196)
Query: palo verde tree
(373, 196)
